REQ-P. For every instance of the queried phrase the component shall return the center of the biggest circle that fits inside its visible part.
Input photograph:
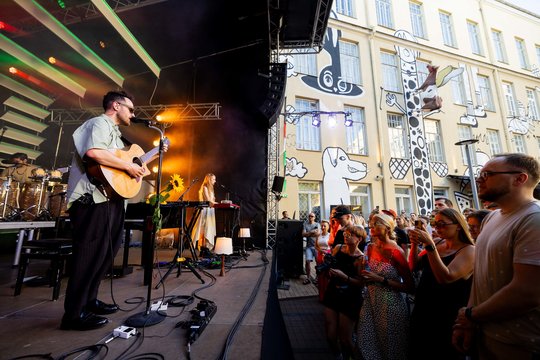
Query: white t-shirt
(506, 239)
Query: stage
(29, 323)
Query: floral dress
(384, 317)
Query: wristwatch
(429, 248)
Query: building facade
(374, 118)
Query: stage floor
(29, 323)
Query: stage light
(155, 169)
(102, 44)
(331, 120)
(316, 120)
(8, 148)
(51, 23)
(22, 136)
(25, 90)
(159, 118)
(52, 60)
(13, 70)
(348, 120)
(156, 142)
(128, 37)
(61, 4)
(15, 50)
(21, 120)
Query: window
(447, 29)
(308, 137)
(474, 37)
(350, 62)
(391, 74)
(434, 141)
(508, 91)
(532, 104)
(399, 146)
(384, 13)
(361, 196)
(356, 134)
(306, 64)
(458, 89)
(486, 97)
(309, 199)
(537, 47)
(494, 141)
(522, 53)
(498, 43)
(465, 133)
(417, 20)
(440, 192)
(404, 200)
(344, 7)
(519, 143)
(422, 71)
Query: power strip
(158, 306)
(124, 332)
(201, 316)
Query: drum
(58, 201)
(9, 195)
(33, 199)
(38, 173)
(55, 177)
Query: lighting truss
(189, 112)
(21, 120)
(24, 90)
(11, 149)
(69, 38)
(22, 136)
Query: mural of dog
(338, 168)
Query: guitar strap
(125, 141)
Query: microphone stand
(148, 317)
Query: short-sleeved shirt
(97, 133)
(505, 240)
(310, 227)
(21, 173)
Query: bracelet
(468, 313)
(385, 281)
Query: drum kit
(44, 198)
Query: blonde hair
(208, 183)
(387, 221)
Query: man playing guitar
(97, 220)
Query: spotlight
(13, 70)
(156, 142)
(52, 60)
(331, 120)
(348, 120)
(155, 169)
(316, 120)
(159, 117)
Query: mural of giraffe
(415, 123)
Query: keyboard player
(204, 231)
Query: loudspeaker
(289, 245)
(277, 184)
(276, 92)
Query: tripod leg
(174, 262)
(190, 267)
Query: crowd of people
(447, 285)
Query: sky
(531, 5)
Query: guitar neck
(144, 158)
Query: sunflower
(177, 183)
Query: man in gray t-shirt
(311, 231)
(503, 312)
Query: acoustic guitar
(117, 183)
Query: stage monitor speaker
(277, 184)
(276, 93)
(290, 244)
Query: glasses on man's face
(131, 110)
(440, 224)
(484, 175)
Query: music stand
(149, 317)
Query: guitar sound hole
(137, 161)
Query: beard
(493, 194)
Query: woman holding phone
(444, 285)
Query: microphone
(146, 122)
